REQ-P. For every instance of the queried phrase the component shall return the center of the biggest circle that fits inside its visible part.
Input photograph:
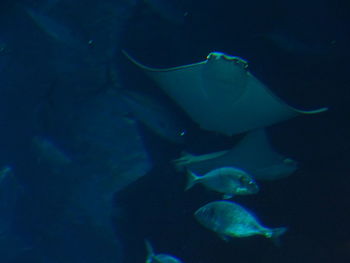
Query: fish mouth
(253, 189)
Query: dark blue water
(73, 147)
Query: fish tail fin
(276, 234)
(191, 180)
(150, 251)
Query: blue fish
(227, 180)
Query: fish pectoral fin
(227, 196)
(129, 118)
(240, 190)
(225, 238)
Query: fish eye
(242, 179)
(246, 181)
(182, 133)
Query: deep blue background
(313, 203)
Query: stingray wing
(221, 95)
(253, 154)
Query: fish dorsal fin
(150, 251)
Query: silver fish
(227, 180)
(229, 220)
(159, 258)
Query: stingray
(253, 153)
(221, 95)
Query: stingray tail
(276, 234)
(150, 251)
(185, 159)
(192, 179)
